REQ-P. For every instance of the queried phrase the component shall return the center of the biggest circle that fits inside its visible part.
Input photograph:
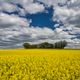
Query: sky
(37, 21)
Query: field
(39, 64)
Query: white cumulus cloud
(15, 30)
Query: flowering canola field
(39, 64)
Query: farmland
(39, 64)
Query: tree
(60, 44)
(34, 46)
(45, 45)
(57, 45)
(64, 43)
(27, 45)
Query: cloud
(7, 7)
(67, 12)
(21, 6)
(68, 15)
(12, 20)
(52, 2)
(15, 30)
(34, 8)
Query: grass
(40, 64)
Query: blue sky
(42, 19)
(37, 21)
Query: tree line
(46, 45)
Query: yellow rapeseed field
(39, 64)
